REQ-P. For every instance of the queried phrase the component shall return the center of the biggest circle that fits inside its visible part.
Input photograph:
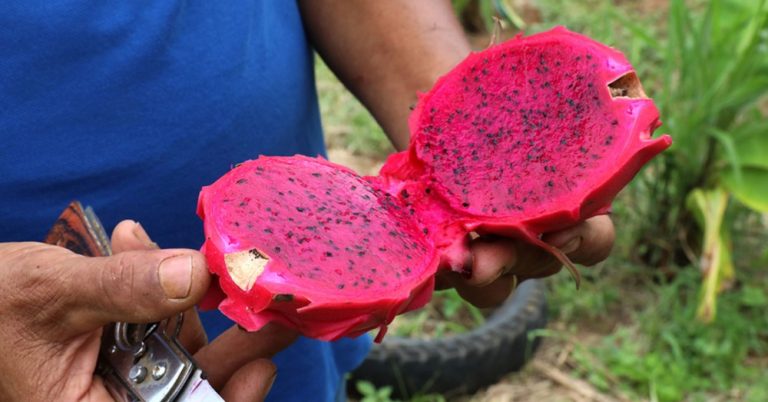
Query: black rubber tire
(463, 363)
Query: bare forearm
(386, 51)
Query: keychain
(138, 362)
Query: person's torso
(132, 106)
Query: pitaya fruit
(526, 137)
(314, 246)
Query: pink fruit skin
(244, 210)
(630, 121)
(554, 148)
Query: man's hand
(498, 263)
(54, 304)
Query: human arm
(387, 51)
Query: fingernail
(176, 276)
(572, 245)
(141, 235)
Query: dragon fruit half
(526, 137)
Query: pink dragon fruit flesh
(312, 245)
(526, 137)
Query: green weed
(659, 350)
(446, 314)
(370, 393)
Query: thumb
(133, 286)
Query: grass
(648, 344)
(369, 393)
(654, 347)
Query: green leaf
(638, 30)
(748, 91)
(751, 145)
(708, 207)
(719, 271)
(487, 12)
(477, 315)
(752, 189)
(384, 393)
(753, 296)
(747, 38)
(507, 10)
(365, 388)
(459, 5)
(730, 150)
(755, 127)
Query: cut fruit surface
(301, 235)
(530, 136)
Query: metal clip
(139, 362)
(144, 362)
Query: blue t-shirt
(131, 107)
